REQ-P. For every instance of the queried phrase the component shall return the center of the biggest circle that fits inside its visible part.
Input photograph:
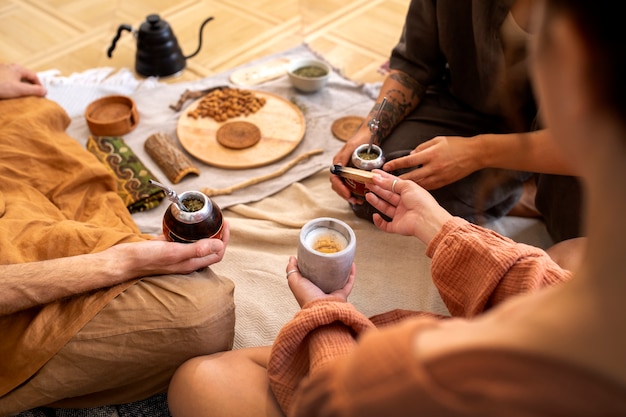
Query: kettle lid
(154, 23)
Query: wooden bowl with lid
(113, 115)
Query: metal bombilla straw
(374, 124)
(171, 195)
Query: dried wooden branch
(192, 95)
(252, 181)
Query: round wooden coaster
(238, 135)
(344, 127)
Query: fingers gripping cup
(367, 158)
(191, 216)
(200, 219)
(326, 252)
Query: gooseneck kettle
(158, 53)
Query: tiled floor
(73, 35)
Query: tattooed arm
(402, 93)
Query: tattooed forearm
(389, 117)
(407, 82)
(402, 94)
(398, 105)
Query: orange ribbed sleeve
(330, 357)
(475, 268)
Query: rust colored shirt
(45, 215)
(332, 360)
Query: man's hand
(158, 256)
(441, 161)
(29, 284)
(343, 158)
(17, 81)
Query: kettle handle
(200, 38)
(117, 37)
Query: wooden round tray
(282, 126)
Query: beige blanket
(392, 271)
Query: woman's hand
(441, 161)
(305, 291)
(412, 209)
(17, 81)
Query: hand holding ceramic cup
(326, 252)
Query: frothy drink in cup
(326, 252)
(326, 240)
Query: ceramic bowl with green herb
(308, 75)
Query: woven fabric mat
(341, 97)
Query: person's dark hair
(601, 27)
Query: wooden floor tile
(74, 35)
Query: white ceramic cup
(307, 84)
(326, 252)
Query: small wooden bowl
(112, 116)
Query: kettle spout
(207, 20)
(117, 38)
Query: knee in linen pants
(131, 348)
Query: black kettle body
(158, 53)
